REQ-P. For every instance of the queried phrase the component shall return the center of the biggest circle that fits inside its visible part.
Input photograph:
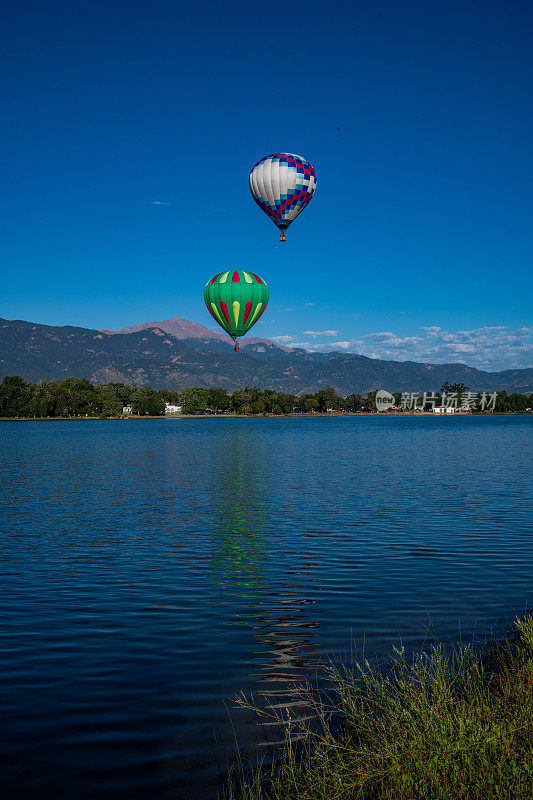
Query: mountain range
(175, 353)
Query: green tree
(370, 401)
(43, 401)
(82, 397)
(327, 398)
(310, 403)
(15, 396)
(238, 401)
(146, 402)
(258, 406)
(270, 400)
(112, 403)
(288, 402)
(218, 400)
(354, 402)
(193, 400)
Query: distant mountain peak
(179, 328)
(185, 329)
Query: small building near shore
(127, 410)
(171, 409)
(444, 410)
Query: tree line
(75, 397)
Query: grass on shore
(432, 726)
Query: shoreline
(439, 724)
(330, 415)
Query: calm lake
(153, 569)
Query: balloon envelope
(236, 299)
(282, 184)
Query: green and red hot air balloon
(236, 299)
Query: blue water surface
(153, 569)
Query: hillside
(160, 359)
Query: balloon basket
(283, 238)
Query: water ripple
(153, 571)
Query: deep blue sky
(423, 212)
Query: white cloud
(160, 203)
(377, 336)
(309, 304)
(491, 347)
(283, 339)
(314, 334)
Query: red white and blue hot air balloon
(282, 184)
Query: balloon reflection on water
(267, 588)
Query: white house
(170, 409)
(127, 410)
(444, 410)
